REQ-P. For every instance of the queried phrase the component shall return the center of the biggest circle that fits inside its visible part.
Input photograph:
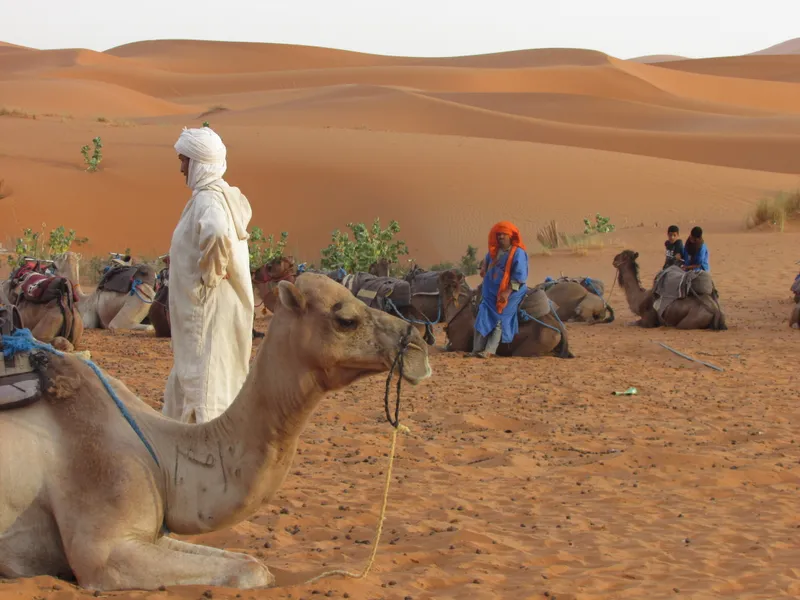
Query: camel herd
(441, 297)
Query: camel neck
(222, 471)
(634, 293)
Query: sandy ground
(521, 478)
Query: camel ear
(635, 255)
(292, 298)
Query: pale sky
(622, 28)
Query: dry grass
(548, 235)
(213, 109)
(16, 113)
(775, 211)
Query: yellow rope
(379, 530)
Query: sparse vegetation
(16, 113)
(443, 266)
(548, 235)
(264, 249)
(600, 225)
(367, 246)
(206, 124)
(34, 244)
(775, 211)
(469, 262)
(96, 157)
(102, 120)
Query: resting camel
(692, 312)
(57, 322)
(104, 309)
(80, 494)
(267, 277)
(576, 303)
(533, 339)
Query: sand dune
(520, 477)
(772, 68)
(788, 47)
(657, 58)
(357, 136)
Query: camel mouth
(416, 367)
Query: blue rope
(135, 290)
(22, 341)
(527, 317)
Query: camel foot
(62, 344)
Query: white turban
(206, 154)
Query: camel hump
(536, 303)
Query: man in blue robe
(505, 276)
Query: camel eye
(346, 324)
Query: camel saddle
(423, 282)
(41, 289)
(673, 283)
(20, 382)
(378, 292)
(120, 279)
(593, 286)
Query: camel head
(279, 268)
(321, 325)
(380, 268)
(68, 265)
(450, 285)
(626, 259)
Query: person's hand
(505, 294)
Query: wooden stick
(682, 355)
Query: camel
(81, 495)
(692, 312)
(57, 322)
(104, 309)
(267, 277)
(158, 314)
(576, 303)
(380, 268)
(533, 339)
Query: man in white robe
(210, 293)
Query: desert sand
(521, 478)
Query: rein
(398, 366)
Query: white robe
(211, 317)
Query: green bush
(367, 247)
(601, 225)
(32, 243)
(96, 157)
(264, 249)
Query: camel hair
(81, 495)
(104, 309)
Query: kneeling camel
(82, 495)
(691, 312)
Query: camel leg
(136, 564)
(130, 316)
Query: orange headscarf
(516, 242)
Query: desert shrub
(600, 225)
(264, 249)
(443, 266)
(367, 246)
(37, 245)
(469, 262)
(776, 211)
(548, 235)
(96, 157)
